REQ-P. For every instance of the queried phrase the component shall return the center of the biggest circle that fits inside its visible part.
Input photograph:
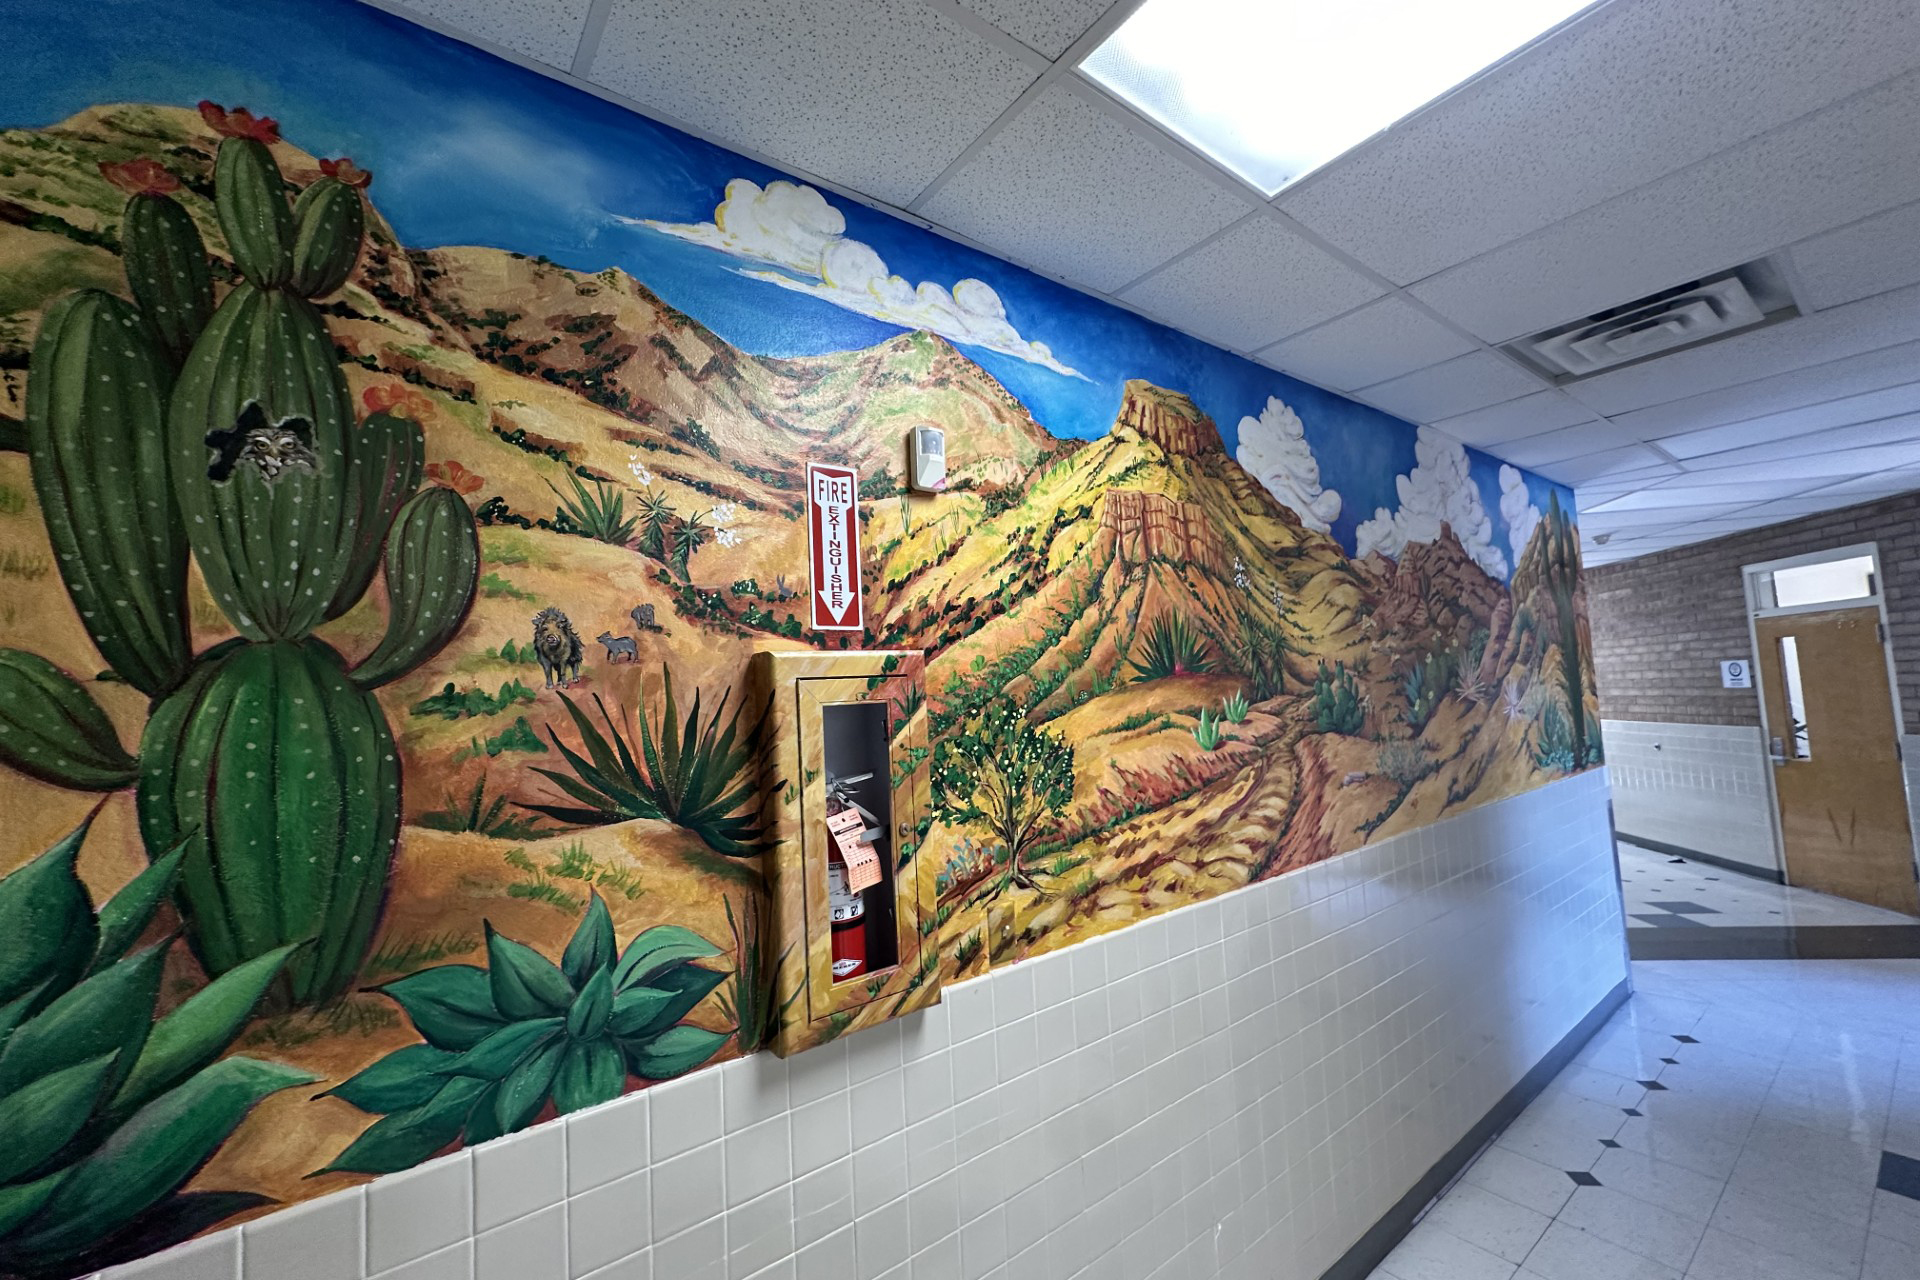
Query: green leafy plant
(234, 448)
(107, 1111)
(694, 532)
(656, 522)
(1234, 707)
(503, 1042)
(489, 817)
(754, 1004)
(1207, 731)
(1336, 701)
(1172, 647)
(1427, 682)
(966, 950)
(1004, 771)
(697, 774)
(452, 704)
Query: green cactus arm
(386, 461)
(97, 444)
(251, 198)
(433, 569)
(167, 270)
(146, 1160)
(330, 225)
(259, 432)
(52, 729)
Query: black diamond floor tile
(1608, 1142)
(1686, 1040)
(1651, 1086)
(1686, 908)
(1581, 1178)
(1899, 1174)
(1632, 1111)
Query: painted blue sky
(468, 149)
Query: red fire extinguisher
(847, 916)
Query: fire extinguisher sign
(833, 547)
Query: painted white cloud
(793, 228)
(1517, 509)
(1274, 450)
(1439, 490)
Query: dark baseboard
(1778, 942)
(1694, 855)
(1372, 1248)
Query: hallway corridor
(1736, 1120)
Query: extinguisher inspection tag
(843, 903)
(861, 859)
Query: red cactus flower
(345, 170)
(140, 177)
(455, 477)
(239, 123)
(398, 399)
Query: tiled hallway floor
(1736, 1120)
(1662, 893)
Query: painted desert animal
(557, 646)
(617, 645)
(642, 615)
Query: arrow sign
(833, 547)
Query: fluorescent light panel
(1273, 89)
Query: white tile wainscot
(1238, 1089)
(1701, 787)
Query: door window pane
(1828, 583)
(1799, 744)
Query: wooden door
(1843, 807)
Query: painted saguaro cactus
(171, 427)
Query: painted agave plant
(504, 1042)
(170, 428)
(107, 1113)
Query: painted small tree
(1003, 771)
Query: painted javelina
(557, 647)
(617, 645)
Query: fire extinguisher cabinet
(851, 909)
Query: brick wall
(1663, 623)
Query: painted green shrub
(1336, 701)
(176, 429)
(503, 1042)
(107, 1112)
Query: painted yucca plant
(599, 513)
(106, 1112)
(697, 774)
(753, 1004)
(169, 429)
(1172, 647)
(1235, 708)
(503, 1042)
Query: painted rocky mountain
(1240, 695)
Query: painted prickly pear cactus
(170, 428)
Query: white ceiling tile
(1810, 467)
(1568, 442)
(545, 30)
(1677, 496)
(1379, 341)
(874, 95)
(1631, 92)
(1885, 431)
(1472, 381)
(1889, 406)
(1815, 384)
(1259, 281)
(1047, 25)
(1849, 161)
(1867, 488)
(1528, 416)
(1600, 466)
(1868, 325)
(1067, 187)
(1879, 253)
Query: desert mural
(401, 455)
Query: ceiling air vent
(1673, 319)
